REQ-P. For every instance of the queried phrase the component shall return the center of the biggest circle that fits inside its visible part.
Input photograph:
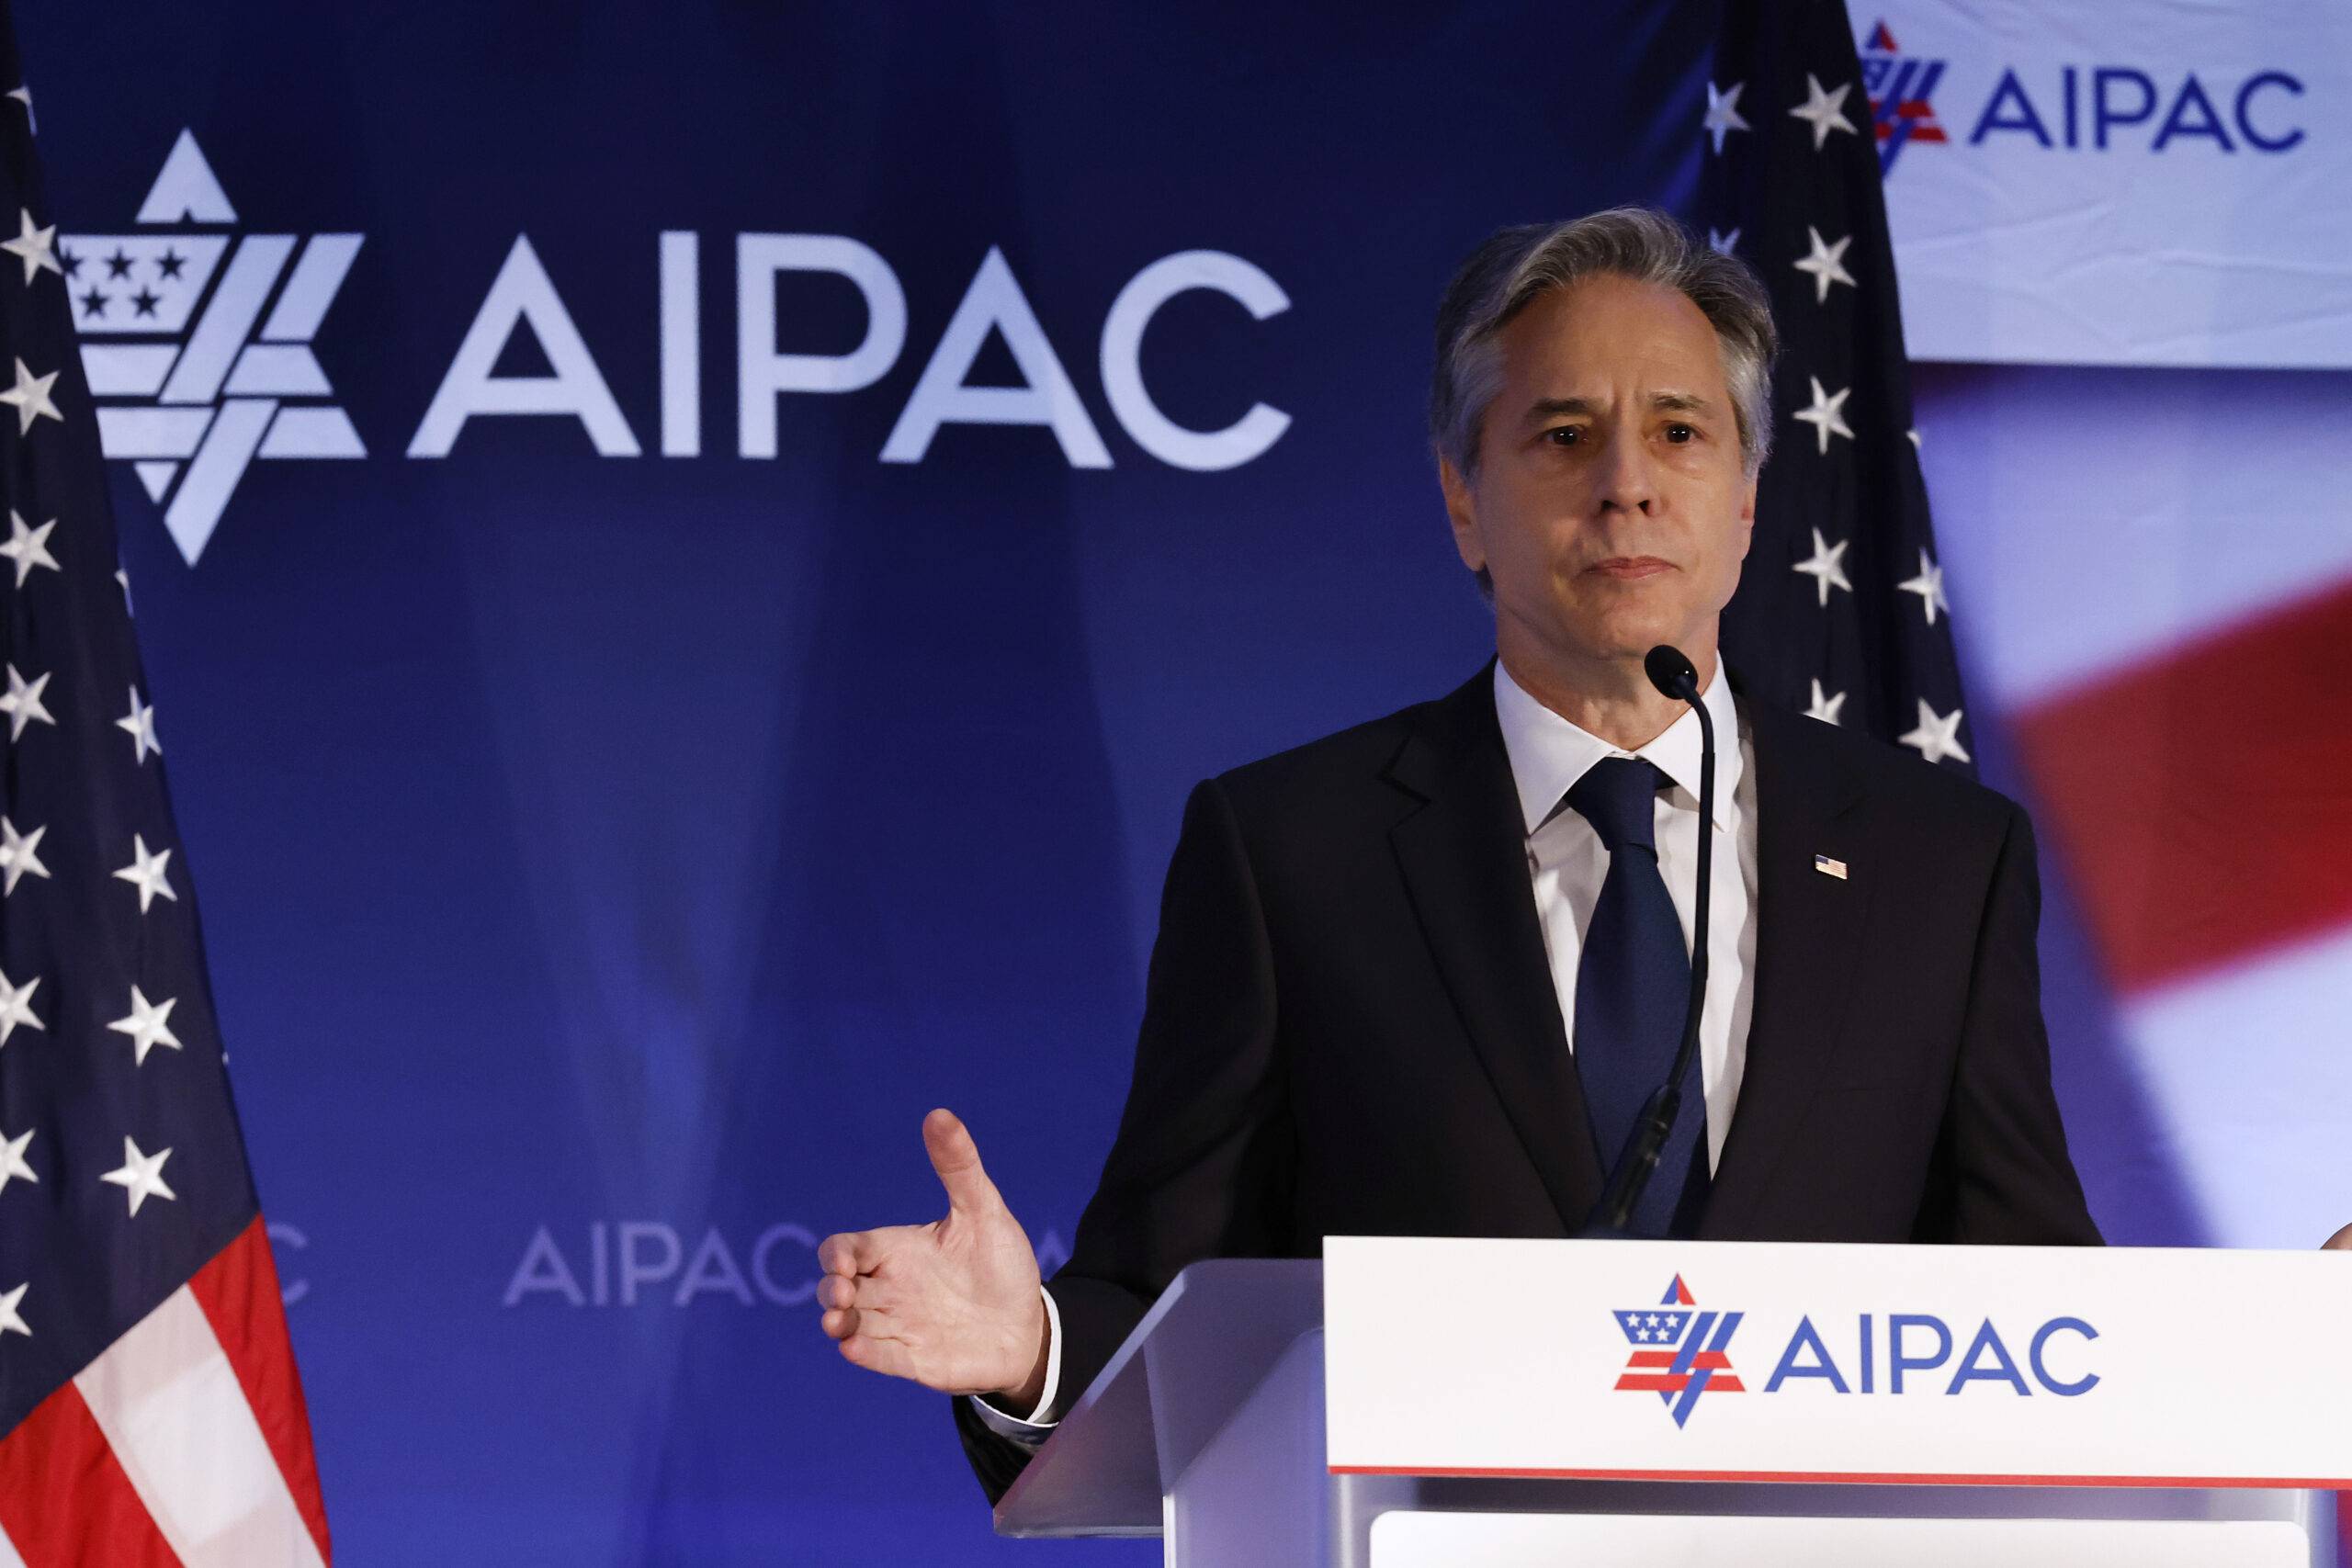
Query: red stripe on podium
(1862, 1478)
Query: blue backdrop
(605, 854)
(610, 842)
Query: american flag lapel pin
(1828, 867)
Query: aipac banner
(688, 561)
(2094, 184)
(689, 557)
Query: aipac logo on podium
(192, 381)
(1682, 1352)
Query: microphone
(1672, 673)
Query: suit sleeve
(2004, 1172)
(1202, 1166)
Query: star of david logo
(1899, 88)
(1680, 1352)
(196, 345)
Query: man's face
(1610, 506)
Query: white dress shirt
(1566, 865)
(1566, 859)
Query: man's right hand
(953, 1305)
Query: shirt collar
(1548, 754)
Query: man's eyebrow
(1671, 402)
(1551, 408)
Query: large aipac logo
(197, 344)
(1900, 89)
(1680, 1352)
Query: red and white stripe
(184, 1443)
(2200, 798)
(2153, 577)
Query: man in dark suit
(1416, 977)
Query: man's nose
(1626, 482)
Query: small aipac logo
(1899, 90)
(1680, 1352)
(191, 379)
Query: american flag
(149, 1411)
(1841, 612)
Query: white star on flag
(30, 394)
(22, 704)
(141, 727)
(1827, 263)
(1825, 708)
(12, 1159)
(1723, 245)
(1929, 586)
(1827, 415)
(145, 872)
(1826, 566)
(9, 1322)
(24, 96)
(18, 854)
(32, 246)
(1937, 737)
(122, 579)
(16, 1008)
(29, 548)
(148, 1025)
(1723, 113)
(141, 1175)
(1821, 111)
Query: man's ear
(1462, 509)
(1748, 515)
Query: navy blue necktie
(1632, 986)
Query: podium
(1405, 1403)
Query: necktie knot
(1618, 797)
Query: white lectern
(1481, 1404)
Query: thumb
(957, 1160)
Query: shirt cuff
(1033, 1431)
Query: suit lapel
(1809, 927)
(1464, 857)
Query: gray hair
(1515, 265)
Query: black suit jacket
(1350, 1025)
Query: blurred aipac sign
(190, 388)
(2063, 192)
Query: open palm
(953, 1305)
